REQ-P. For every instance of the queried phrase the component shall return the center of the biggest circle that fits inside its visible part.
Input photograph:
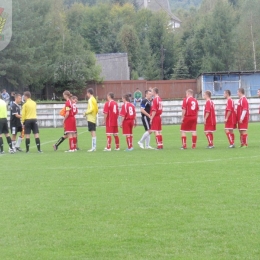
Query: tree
(181, 70)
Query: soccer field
(145, 204)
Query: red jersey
(230, 106)
(210, 108)
(69, 106)
(128, 111)
(190, 104)
(112, 112)
(157, 106)
(243, 105)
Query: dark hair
(90, 91)
(156, 90)
(208, 93)
(27, 94)
(241, 90)
(126, 97)
(111, 94)
(67, 93)
(146, 91)
(228, 92)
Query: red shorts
(128, 126)
(156, 124)
(70, 125)
(189, 124)
(209, 128)
(243, 126)
(111, 130)
(229, 125)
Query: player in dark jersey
(15, 123)
(145, 112)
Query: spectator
(12, 99)
(137, 96)
(5, 97)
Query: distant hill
(186, 4)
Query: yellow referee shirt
(3, 110)
(29, 110)
(92, 110)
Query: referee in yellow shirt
(91, 115)
(4, 127)
(29, 120)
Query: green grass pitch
(170, 204)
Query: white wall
(48, 114)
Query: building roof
(230, 72)
(157, 5)
(114, 66)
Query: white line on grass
(140, 164)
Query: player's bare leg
(231, 137)
(209, 136)
(243, 138)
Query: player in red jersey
(190, 111)
(128, 122)
(209, 119)
(156, 121)
(242, 116)
(230, 118)
(69, 121)
(111, 113)
(74, 100)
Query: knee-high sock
(209, 139)
(144, 137)
(27, 144)
(194, 141)
(147, 140)
(184, 141)
(245, 139)
(109, 140)
(94, 142)
(71, 143)
(233, 137)
(1, 144)
(60, 141)
(117, 142)
(19, 141)
(128, 141)
(38, 143)
(229, 136)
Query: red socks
(159, 141)
(194, 141)
(129, 140)
(71, 143)
(184, 140)
(243, 138)
(230, 139)
(109, 140)
(210, 139)
(117, 141)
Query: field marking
(140, 164)
(49, 142)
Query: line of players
(151, 111)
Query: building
(114, 66)
(217, 82)
(160, 5)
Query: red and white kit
(128, 112)
(157, 121)
(232, 120)
(191, 106)
(210, 125)
(70, 122)
(243, 106)
(112, 112)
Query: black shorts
(31, 125)
(146, 123)
(16, 129)
(91, 127)
(4, 126)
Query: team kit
(151, 112)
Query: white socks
(18, 143)
(94, 143)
